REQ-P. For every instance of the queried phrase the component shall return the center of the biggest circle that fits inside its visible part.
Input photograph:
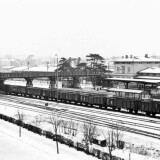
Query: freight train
(133, 101)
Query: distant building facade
(7, 64)
(74, 61)
(129, 66)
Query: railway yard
(138, 130)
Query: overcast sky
(74, 28)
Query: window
(123, 69)
(128, 69)
(118, 69)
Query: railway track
(82, 117)
(86, 109)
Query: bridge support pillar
(2, 84)
(29, 82)
(76, 82)
(52, 82)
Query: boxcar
(155, 107)
(119, 103)
(98, 100)
(46, 94)
(74, 96)
(22, 90)
(29, 91)
(146, 106)
(111, 102)
(84, 98)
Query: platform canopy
(148, 81)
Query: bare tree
(73, 127)
(112, 138)
(55, 121)
(118, 134)
(38, 119)
(20, 117)
(64, 125)
(90, 131)
(111, 142)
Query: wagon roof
(125, 90)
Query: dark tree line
(95, 62)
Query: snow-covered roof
(43, 68)
(22, 68)
(7, 67)
(137, 59)
(151, 70)
(133, 80)
(100, 138)
(37, 68)
(148, 77)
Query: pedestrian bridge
(36, 74)
(29, 76)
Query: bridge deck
(34, 74)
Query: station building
(129, 66)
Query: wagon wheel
(114, 108)
(130, 110)
(136, 111)
(148, 113)
(153, 114)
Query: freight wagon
(116, 99)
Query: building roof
(148, 77)
(133, 80)
(7, 67)
(19, 69)
(137, 59)
(37, 68)
(150, 70)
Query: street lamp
(57, 76)
(133, 66)
(47, 66)
(28, 65)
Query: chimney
(146, 56)
(126, 56)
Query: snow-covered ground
(36, 83)
(35, 147)
(32, 146)
(6, 134)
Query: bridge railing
(34, 74)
